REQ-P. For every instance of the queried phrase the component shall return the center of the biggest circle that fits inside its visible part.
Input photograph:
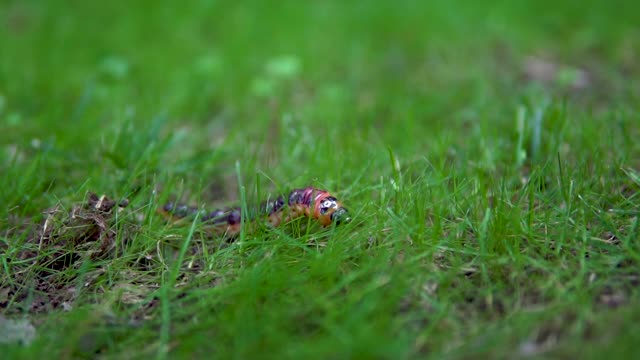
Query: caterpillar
(310, 202)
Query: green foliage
(487, 150)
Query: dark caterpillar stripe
(311, 202)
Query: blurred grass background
(479, 103)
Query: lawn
(487, 152)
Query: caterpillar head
(341, 215)
(332, 211)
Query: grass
(487, 151)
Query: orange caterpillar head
(329, 210)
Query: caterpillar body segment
(309, 202)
